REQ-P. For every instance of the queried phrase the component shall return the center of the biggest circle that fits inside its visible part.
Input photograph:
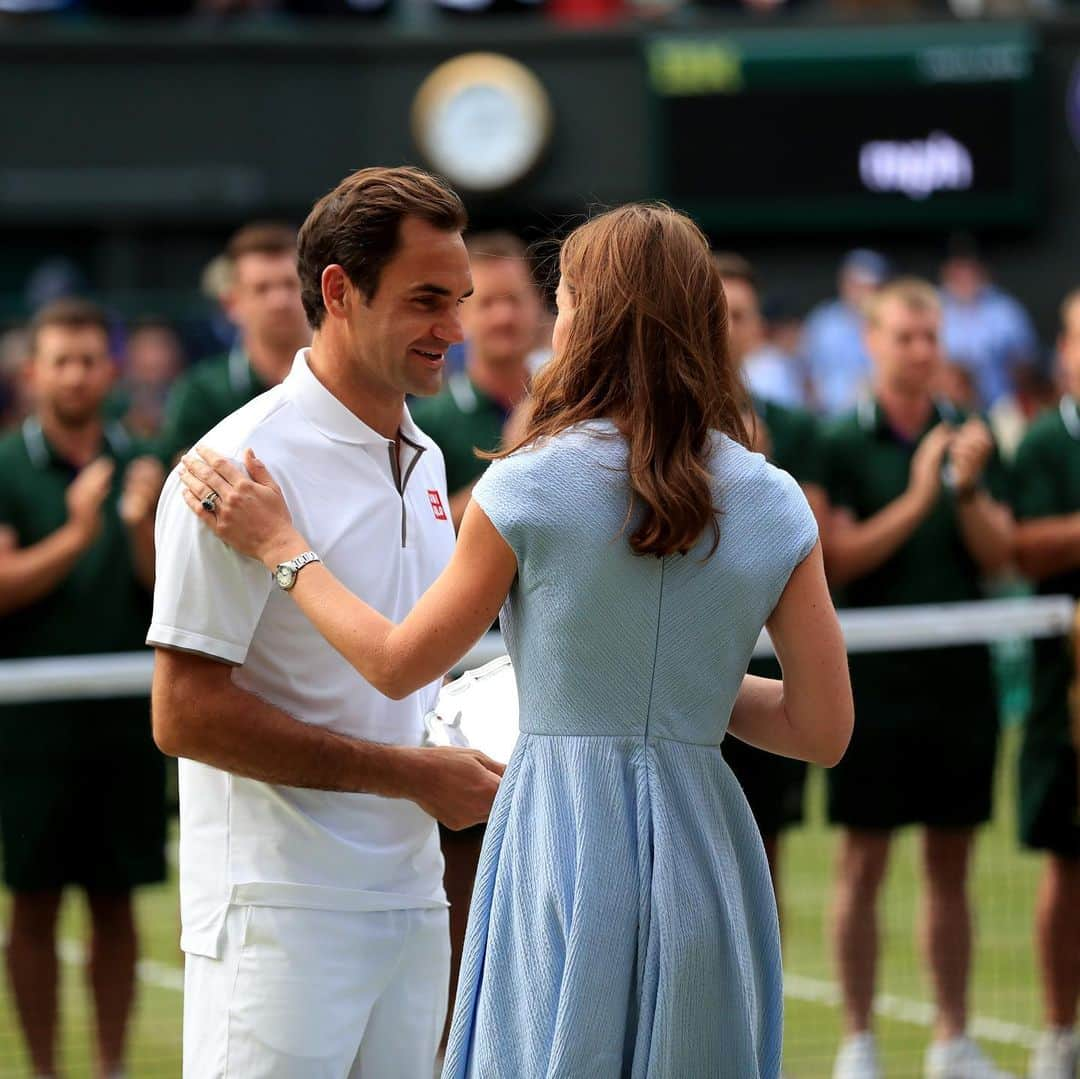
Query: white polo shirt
(379, 520)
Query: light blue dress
(623, 922)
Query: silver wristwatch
(285, 572)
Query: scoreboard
(868, 127)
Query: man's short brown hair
(735, 267)
(483, 246)
(358, 226)
(71, 313)
(261, 238)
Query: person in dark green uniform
(773, 785)
(263, 300)
(501, 321)
(1046, 499)
(916, 491)
(82, 798)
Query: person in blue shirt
(833, 336)
(985, 329)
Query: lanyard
(37, 449)
(1070, 416)
(866, 412)
(239, 371)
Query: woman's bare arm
(809, 715)
(446, 622)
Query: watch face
(285, 575)
(482, 120)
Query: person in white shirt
(314, 920)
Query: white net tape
(935, 625)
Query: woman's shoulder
(595, 441)
(746, 478)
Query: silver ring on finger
(209, 503)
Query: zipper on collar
(402, 481)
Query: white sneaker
(857, 1058)
(1056, 1056)
(960, 1058)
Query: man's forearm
(231, 729)
(987, 530)
(141, 540)
(31, 573)
(1048, 546)
(854, 550)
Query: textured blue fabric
(623, 922)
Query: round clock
(482, 120)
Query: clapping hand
(969, 452)
(926, 462)
(86, 495)
(142, 485)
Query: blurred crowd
(563, 10)
(808, 357)
(937, 440)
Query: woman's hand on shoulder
(245, 510)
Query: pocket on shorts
(295, 996)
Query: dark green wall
(136, 150)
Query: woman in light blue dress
(623, 921)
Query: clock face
(482, 120)
(284, 576)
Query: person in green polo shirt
(1046, 498)
(82, 798)
(788, 437)
(501, 321)
(916, 490)
(262, 298)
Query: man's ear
(336, 291)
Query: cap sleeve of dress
(510, 497)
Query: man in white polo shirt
(314, 918)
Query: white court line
(148, 971)
(918, 1013)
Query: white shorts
(318, 994)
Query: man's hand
(142, 486)
(86, 495)
(456, 786)
(969, 452)
(924, 480)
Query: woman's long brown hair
(648, 350)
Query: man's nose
(450, 329)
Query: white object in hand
(479, 709)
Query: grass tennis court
(1005, 999)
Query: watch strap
(302, 560)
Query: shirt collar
(329, 416)
(41, 452)
(469, 397)
(1070, 416)
(244, 380)
(872, 419)
(410, 432)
